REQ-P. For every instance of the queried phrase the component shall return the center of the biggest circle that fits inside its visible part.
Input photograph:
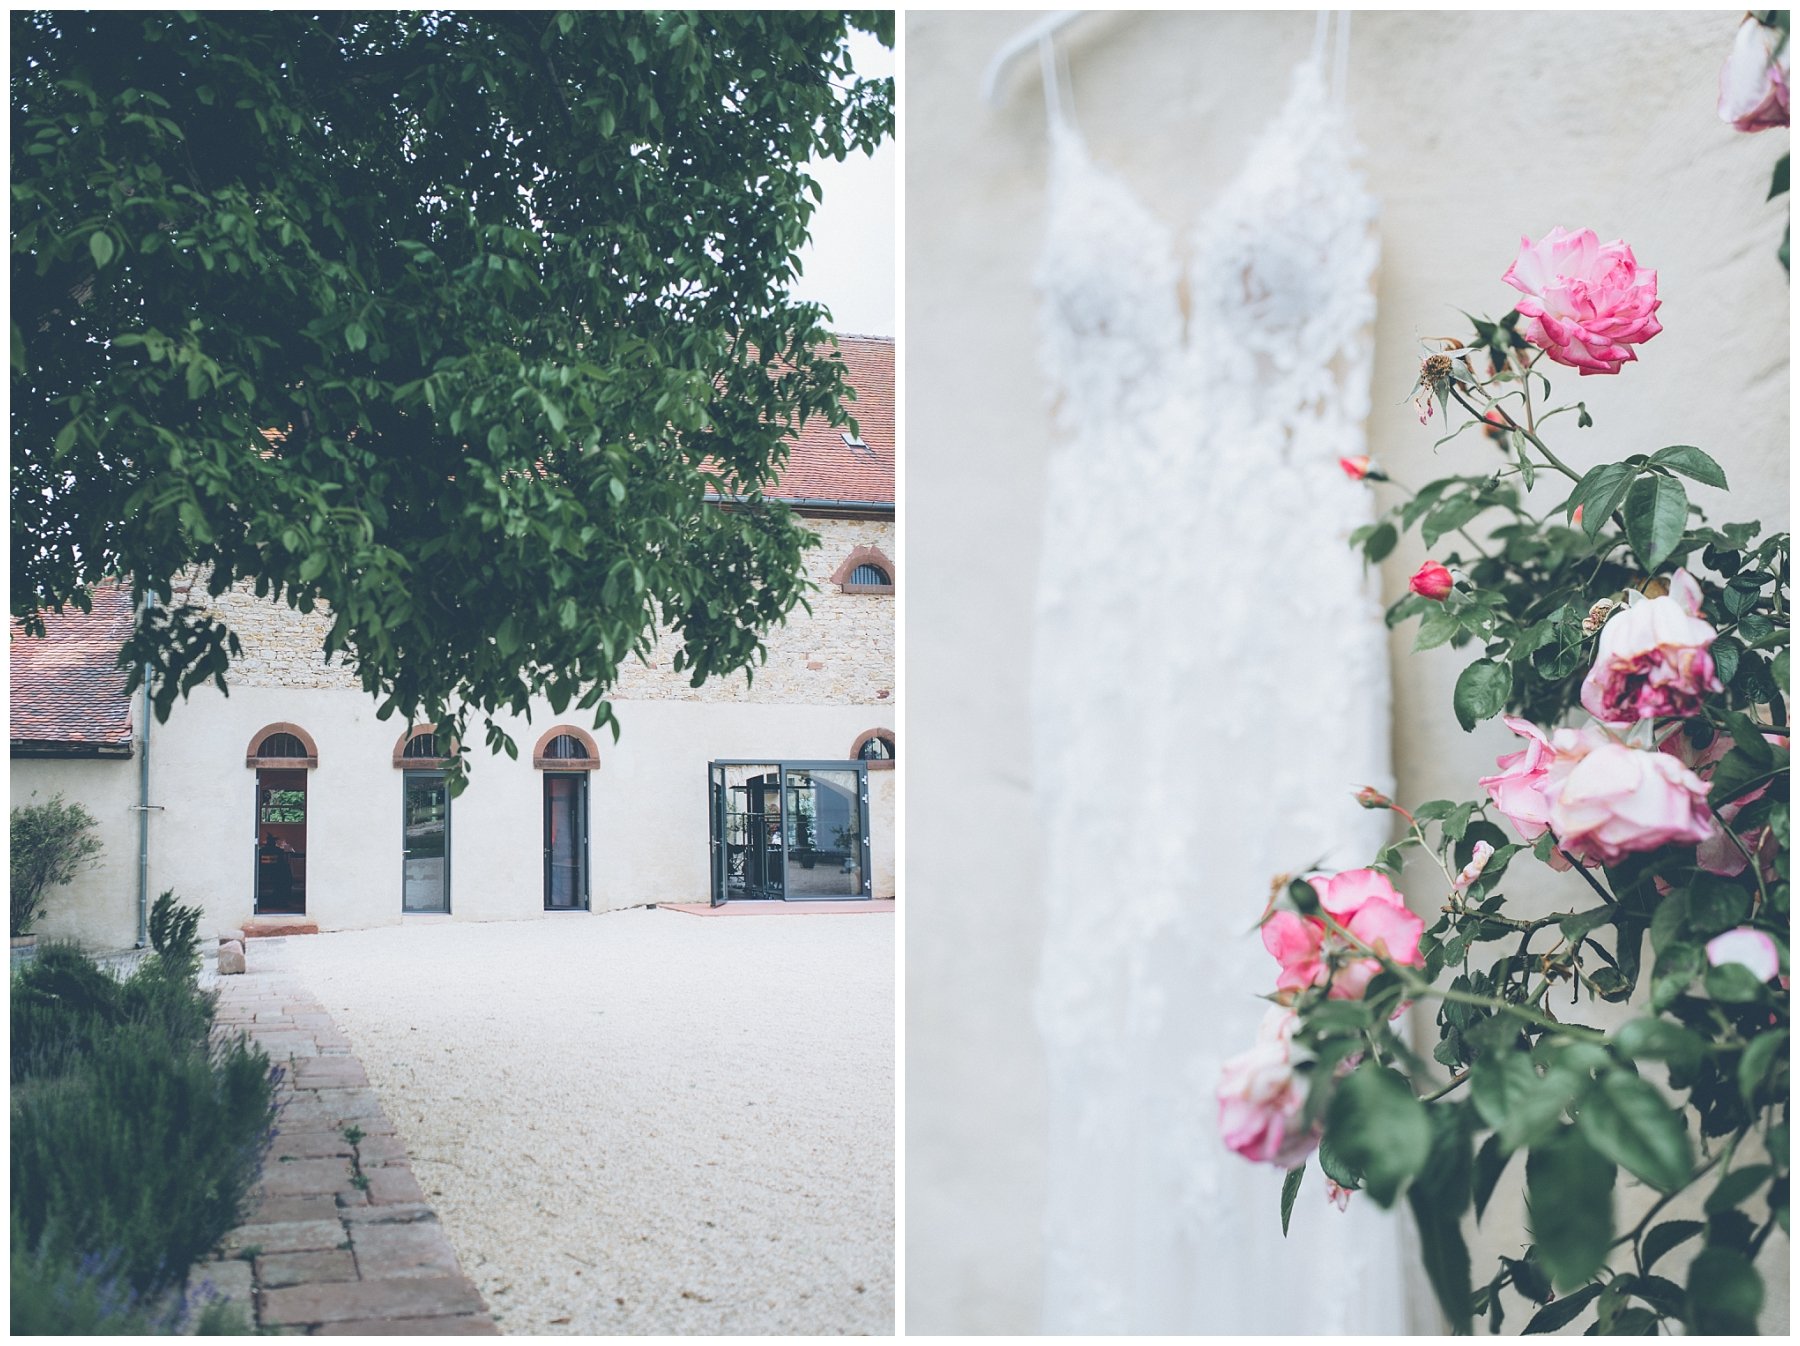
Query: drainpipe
(143, 808)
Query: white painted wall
(648, 809)
(99, 907)
(1480, 126)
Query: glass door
(425, 883)
(715, 827)
(280, 841)
(827, 837)
(755, 849)
(565, 841)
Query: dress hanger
(1017, 45)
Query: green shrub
(175, 934)
(56, 1297)
(50, 843)
(141, 1152)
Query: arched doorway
(281, 755)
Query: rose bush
(1640, 654)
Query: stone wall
(843, 653)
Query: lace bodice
(1210, 685)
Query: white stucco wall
(647, 802)
(1480, 127)
(99, 907)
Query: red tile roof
(68, 690)
(822, 467)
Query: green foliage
(135, 1137)
(50, 844)
(175, 934)
(1689, 1092)
(513, 288)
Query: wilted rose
(1586, 303)
(1753, 82)
(1653, 659)
(1262, 1094)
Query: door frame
(405, 775)
(720, 806)
(256, 780)
(582, 813)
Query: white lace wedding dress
(1210, 686)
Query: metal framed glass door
(425, 842)
(565, 841)
(789, 830)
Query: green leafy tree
(50, 844)
(511, 288)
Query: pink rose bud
(1749, 948)
(1753, 83)
(1477, 863)
(1433, 581)
(1575, 518)
(1371, 798)
(1654, 660)
(1360, 468)
(1587, 303)
(1337, 1196)
(1496, 427)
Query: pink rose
(1653, 659)
(1586, 303)
(1261, 1095)
(1751, 948)
(1358, 468)
(1432, 580)
(1753, 82)
(1517, 789)
(1716, 854)
(1364, 903)
(1608, 801)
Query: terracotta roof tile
(822, 466)
(67, 686)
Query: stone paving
(339, 1239)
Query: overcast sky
(849, 266)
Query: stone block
(477, 1325)
(278, 1270)
(306, 1177)
(229, 1279)
(416, 1249)
(356, 1301)
(393, 1186)
(290, 1209)
(231, 960)
(288, 1237)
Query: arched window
(865, 571)
(566, 748)
(422, 748)
(281, 745)
(877, 748)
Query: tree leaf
(1737, 1186)
(1598, 494)
(1667, 1235)
(1490, 1163)
(1656, 511)
(1690, 462)
(1753, 1067)
(1724, 1294)
(1568, 1194)
(100, 244)
(1562, 1312)
(1522, 1106)
(1629, 1122)
(1290, 1188)
(1481, 692)
(1380, 1130)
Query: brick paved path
(339, 1239)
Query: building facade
(286, 800)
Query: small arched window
(865, 571)
(566, 748)
(422, 748)
(281, 745)
(877, 748)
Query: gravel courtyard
(642, 1121)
